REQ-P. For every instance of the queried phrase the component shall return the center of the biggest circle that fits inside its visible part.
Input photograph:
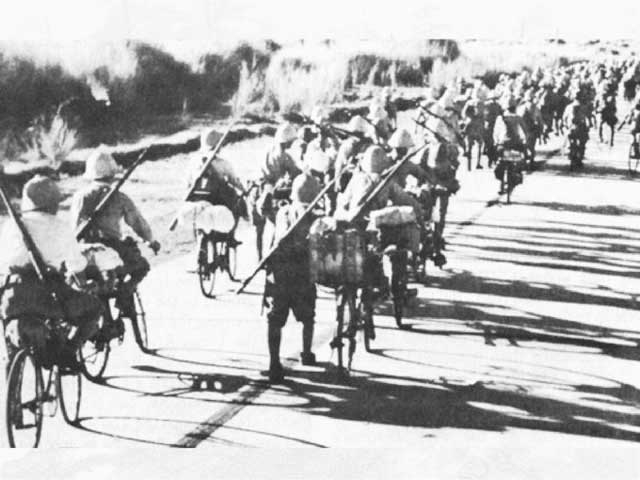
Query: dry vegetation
(122, 90)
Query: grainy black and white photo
(405, 227)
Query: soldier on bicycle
(100, 171)
(218, 185)
(23, 294)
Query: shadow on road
(414, 402)
(516, 326)
(112, 426)
(617, 171)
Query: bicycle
(576, 154)
(352, 316)
(217, 251)
(95, 352)
(509, 171)
(26, 396)
(395, 263)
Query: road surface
(527, 341)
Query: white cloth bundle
(392, 216)
(103, 257)
(208, 217)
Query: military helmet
(401, 138)
(305, 188)
(374, 160)
(40, 193)
(285, 133)
(100, 165)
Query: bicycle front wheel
(140, 324)
(508, 173)
(399, 285)
(69, 389)
(23, 400)
(346, 326)
(207, 264)
(94, 353)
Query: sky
(184, 26)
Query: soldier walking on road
(289, 286)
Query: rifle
(288, 233)
(35, 257)
(439, 137)
(445, 121)
(336, 131)
(376, 189)
(84, 228)
(203, 169)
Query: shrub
(50, 140)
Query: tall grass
(125, 87)
(49, 141)
(296, 84)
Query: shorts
(280, 298)
(134, 263)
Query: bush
(28, 90)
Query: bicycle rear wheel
(398, 285)
(207, 264)
(23, 399)
(94, 353)
(368, 326)
(139, 324)
(69, 390)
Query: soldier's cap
(100, 165)
(40, 193)
(209, 138)
(305, 188)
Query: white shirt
(52, 236)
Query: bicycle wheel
(94, 354)
(508, 172)
(140, 324)
(369, 332)
(69, 390)
(633, 163)
(345, 314)
(23, 401)
(233, 262)
(398, 285)
(207, 259)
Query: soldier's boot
(307, 357)
(276, 372)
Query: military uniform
(106, 229)
(26, 301)
(289, 287)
